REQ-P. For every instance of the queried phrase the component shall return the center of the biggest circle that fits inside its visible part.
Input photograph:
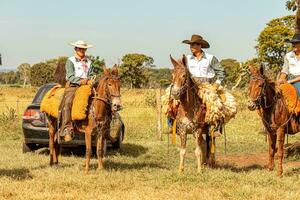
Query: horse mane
(60, 73)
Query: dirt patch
(246, 162)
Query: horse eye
(109, 84)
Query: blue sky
(36, 30)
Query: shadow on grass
(16, 174)
(128, 149)
(119, 166)
(239, 169)
(292, 172)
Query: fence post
(159, 110)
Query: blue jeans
(297, 86)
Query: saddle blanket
(290, 95)
(51, 101)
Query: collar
(203, 57)
(85, 59)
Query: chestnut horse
(191, 114)
(275, 116)
(104, 101)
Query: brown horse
(104, 101)
(275, 116)
(191, 114)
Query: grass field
(143, 168)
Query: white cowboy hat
(81, 44)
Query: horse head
(180, 77)
(108, 88)
(257, 87)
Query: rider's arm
(284, 72)
(219, 70)
(70, 73)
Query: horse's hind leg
(272, 149)
(51, 141)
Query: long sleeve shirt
(78, 69)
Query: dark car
(35, 129)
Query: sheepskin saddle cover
(292, 101)
(51, 101)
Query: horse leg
(280, 143)
(88, 150)
(199, 150)
(56, 152)
(183, 137)
(51, 140)
(100, 151)
(272, 149)
(212, 152)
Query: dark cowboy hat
(295, 39)
(197, 39)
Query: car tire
(28, 147)
(117, 144)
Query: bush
(41, 74)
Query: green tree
(24, 71)
(291, 4)
(133, 71)
(42, 73)
(98, 64)
(272, 45)
(232, 70)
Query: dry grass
(143, 168)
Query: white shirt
(201, 68)
(291, 64)
(81, 67)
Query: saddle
(51, 101)
(290, 96)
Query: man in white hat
(78, 71)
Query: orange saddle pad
(289, 93)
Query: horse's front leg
(280, 143)
(200, 151)
(100, 149)
(183, 138)
(88, 146)
(272, 150)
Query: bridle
(261, 99)
(108, 98)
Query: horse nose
(117, 106)
(251, 105)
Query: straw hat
(81, 44)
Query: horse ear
(184, 60)
(251, 69)
(115, 70)
(106, 71)
(262, 69)
(174, 62)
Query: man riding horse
(78, 71)
(204, 67)
(291, 68)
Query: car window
(41, 93)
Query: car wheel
(28, 147)
(117, 144)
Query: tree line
(138, 71)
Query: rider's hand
(83, 81)
(281, 81)
(90, 82)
